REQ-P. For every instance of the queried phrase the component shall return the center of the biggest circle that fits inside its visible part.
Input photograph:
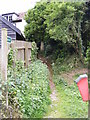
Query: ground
(70, 76)
(54, 110)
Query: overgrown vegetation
(34, 51)
(88, 54)
(66, 64)
(64, 28)
(70, 104)
(61, 26)
(29, 88)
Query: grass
(76, 76)
(72, 105)
(69, 103)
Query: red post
(82, 83)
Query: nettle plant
(29, 88)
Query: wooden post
(4, 51)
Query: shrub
(48, 50)
(29, 89)
(34, 51)
(10, 57)
(88, 55)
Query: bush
(10, 57)
(48, 50)
(88, 55)
(29, 89)
(34, 51)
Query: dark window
(10, 18)
(0, 43)
(7, 17)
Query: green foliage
(64, 22)
(10, 57)
(72, 104)
(60, 21)
(35, 28)
(66, 63)
(86, 27)
(48, 50)
(34, 51)
(29, 88)
(88, 55)
(4, 111)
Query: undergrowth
(29, 89)
(71, 104)
(66, 64)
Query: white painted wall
(21, 25)
(14, 17)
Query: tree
(64, 23)
(35, 28)
(60, 21)
(86, 27)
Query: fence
(22, 51)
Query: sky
(17, 6)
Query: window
(10, 18)
(6, 17)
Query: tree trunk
(42, 46)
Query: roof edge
(10, 13)
(10, 25)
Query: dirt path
(53, 95)
(48, 63)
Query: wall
(10, 32)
